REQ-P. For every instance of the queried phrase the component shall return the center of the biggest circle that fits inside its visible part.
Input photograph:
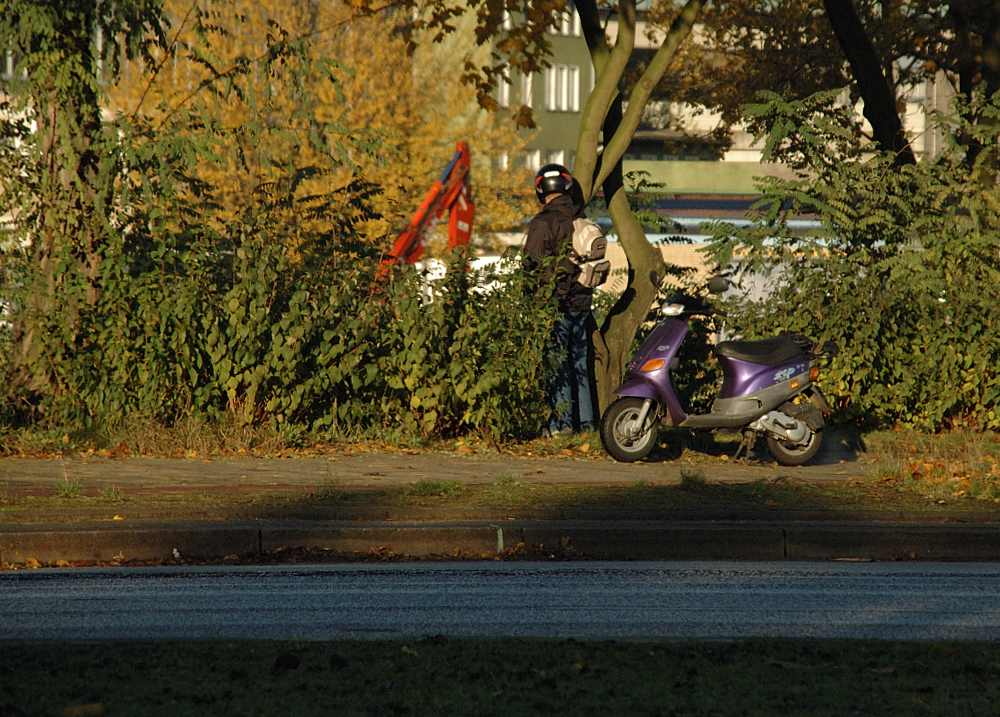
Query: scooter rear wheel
(621, 435)
(790, 455)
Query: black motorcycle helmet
(552, 178)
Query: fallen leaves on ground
(91, 709)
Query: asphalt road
(583, 600)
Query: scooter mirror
(718, 284)
(672, 309)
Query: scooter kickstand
(746, 445)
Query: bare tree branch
(605, 88)
(877, 91)
(617, 145)
(171, 48)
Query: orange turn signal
(794, 384)
(653, 365)
(814, 373)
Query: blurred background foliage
(193, 219)
(199, 234)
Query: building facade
(555, 95)
(678, 161)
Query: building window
(526, 90)
(508, 21)
(8, 65)
(533, 160)
(503, 91)
(562, 88)
(503, 161)
(557, 156)
(573, 82)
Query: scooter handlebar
(702, 307)
(827, 349)
(691, 304)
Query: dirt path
(20, 476)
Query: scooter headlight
(653, 365)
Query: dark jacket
(550, 234)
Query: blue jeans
(571, 400)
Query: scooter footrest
(714, 420)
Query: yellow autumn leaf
(91, 709)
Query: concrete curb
(111, 544)
(630, 540)
(893, 542)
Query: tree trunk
(603, 118)
(978, 65)
(68, 127)
(877, 90)
(40, 295)
(613, 339)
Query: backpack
(589, 246)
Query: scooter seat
(769, 352)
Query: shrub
(903, 275)
(238, 326)
(267, 312)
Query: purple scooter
(768, 388)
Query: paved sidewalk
(24, 476)
(96, 530)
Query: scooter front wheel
(621, 433)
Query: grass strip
(509, 497)
(944, 466)
(499, 677)
(506, 497)
(909, 475)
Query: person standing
(547, 248)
